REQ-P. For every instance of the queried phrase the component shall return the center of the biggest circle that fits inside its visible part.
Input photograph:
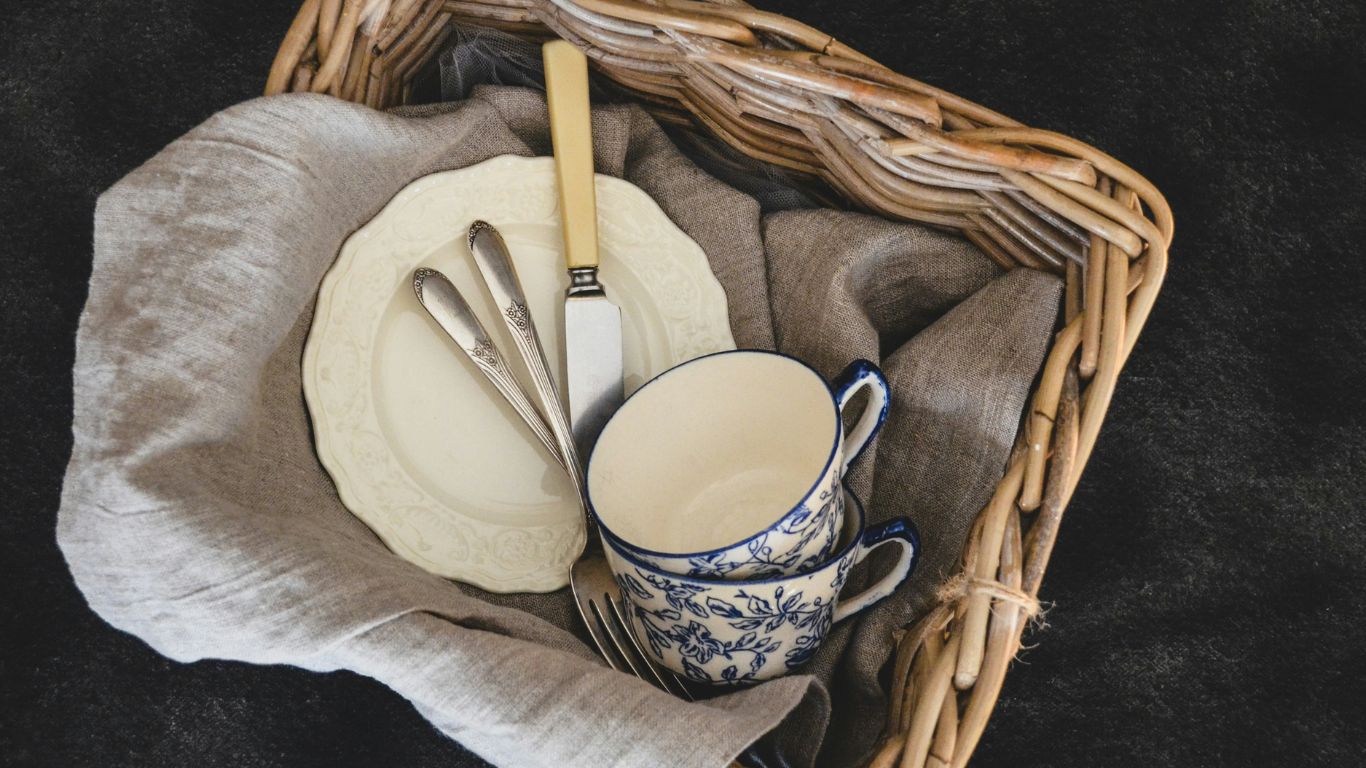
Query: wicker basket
(782, 92)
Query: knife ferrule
(583, 281)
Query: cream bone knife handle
(449, 309)
(571, 132)
(500, 277)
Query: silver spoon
(500, 276)
(450, 310)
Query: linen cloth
(196, 516)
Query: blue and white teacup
(732, 632)
(729, 466)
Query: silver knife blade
(593, 364)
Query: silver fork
(597, 595)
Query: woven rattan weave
(783, 92)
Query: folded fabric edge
(442, 669)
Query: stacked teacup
(718, 491)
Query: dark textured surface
(1208, 577)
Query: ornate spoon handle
(450, 310)
(491, 256)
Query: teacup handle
(900, 531)
(862, 374)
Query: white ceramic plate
(421, 447)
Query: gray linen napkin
(195, 515)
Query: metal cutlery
(595, 590)
(444, 303)
(500, 277)
(592, 323)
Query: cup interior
(713, 452)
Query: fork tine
(606, 623)
(599, 603)
(607, 645)
(580, 576)
(662, 677)
(607, 627)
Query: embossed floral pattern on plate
(443, 520)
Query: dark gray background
(1208, 580)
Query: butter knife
(500, 277)
(592, 323)
(449, 309)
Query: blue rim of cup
(839, 428)
(855, 541)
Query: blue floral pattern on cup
(733, 632)
(757, 615)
